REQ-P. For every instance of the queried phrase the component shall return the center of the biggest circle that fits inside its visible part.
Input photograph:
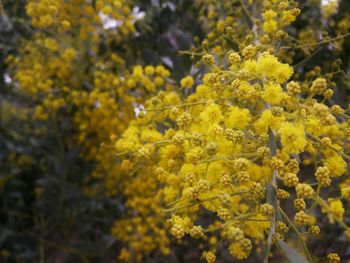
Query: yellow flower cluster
(216, 157)
(229, 155)
(67, 77)
(80, 16)
(277, 19)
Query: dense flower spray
(68, 76)
(246, 155)
(223, 155)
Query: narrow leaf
(291, 254)
(232, 43)
(246, 15)
(271, 195)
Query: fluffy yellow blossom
(268, 120)
(237, 118)
(251, 66)
(269, 14)
(287, 17)
(254, 230)
(336, 165)
(187, 82)
(149, 70)
(211, 115)
(283, 73)
(269, 66)
(208, 154)
(345, 192)
(270, 26)
(273, 93)
(335, 210)
(329, 8)
(203, 91)
(292, 137)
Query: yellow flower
(150, 135)
(255, 230)
(203, 91)
(292, 137)
(283, 73)
(345, 192)
(124, 255)
(187, 82)
(336, 165)
(163, 72)
(209, 256)
(287, 17)
(273, 93)
(269, 14)
(211, 114)
(237, 118)
(245, 91)
(149, 70)
(251, 66)
(237, 251)
(270, 26)
(266, 120)
(158, 81)
(171, 98)
(330, 8)
(69, 54)
(335, 210)
(269, 66)
(137, 72)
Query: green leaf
(291, 254)
(246, 15)
(272, 143)
(232, 43)
(271, 195)
(271, 198)
(309, 57)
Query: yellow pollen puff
(270, 26)
(211, 114)
(237, 118)
(335, 210)
(187, 82)
(336, 165)
(269, 14)
(273, 93)
(66, 24)
(270, 67)
(292, 137)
